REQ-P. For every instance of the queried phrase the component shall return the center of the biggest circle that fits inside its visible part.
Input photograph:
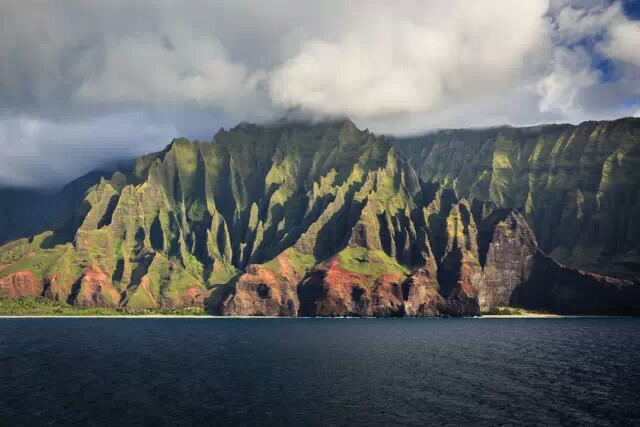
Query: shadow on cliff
(28, 212)
(558, 289)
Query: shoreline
(177, 316)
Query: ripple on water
(318, 372)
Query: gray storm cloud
(82, 82)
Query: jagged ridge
(578, 186)
(324, 219)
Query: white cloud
(389, 63)
(71, 73)
(43, 152)
(584, 34)
(144, 71)
(571, 73)
(574, 22)
(624, 44)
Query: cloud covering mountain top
(82, 82)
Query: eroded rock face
(20, 284)
(178, 227)
(421, 293)
(578, 185)
(258, 292)
(507, 251)
(460, 268)
(386, 296)
(425, 297)
(193, 296)
(57, 288)
(334, 291)
(517, 273)
(95, 290)
(457, 290)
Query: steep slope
(296, 219)
(578, 186)
(25, 212)
(517, 273)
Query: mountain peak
(307, 205)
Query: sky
(86, 82)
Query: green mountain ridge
(322, 218)
(578, 186)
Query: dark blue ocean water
(319, 371)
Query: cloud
(120, 56)
(116, 78)
(414, 61)
(571, 73)
(46, 153)
(624, 41)
(146, 71)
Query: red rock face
(506, 268)
(343, 293)
(334, 291)
(259, 293)
(20, 284)
(193, 296)
(386, 296)
(57, 289)
(426, 298)
(469, 271)
(421, 293)
(95, 290)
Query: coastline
(177, 316)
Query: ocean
(211, 371)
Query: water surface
(568, 371)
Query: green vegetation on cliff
(370, 263)
(185, 226)
(577, 185)
(40, 306)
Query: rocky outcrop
(193, 296)
(576, 185)
(57, 287)
(20, 284)
(555, 288)
(333, 291)
(322, 219)
(426, 298)
(259, 292)
(508, 249)
(460, 269)
(421, 294)
(386, 297)
(95, 290)
(517, 273)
